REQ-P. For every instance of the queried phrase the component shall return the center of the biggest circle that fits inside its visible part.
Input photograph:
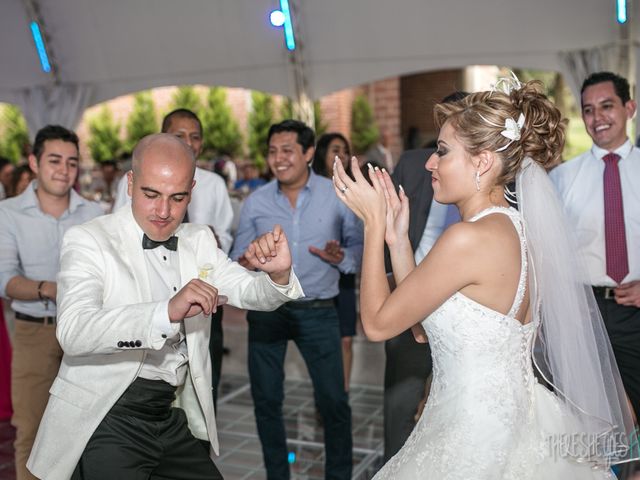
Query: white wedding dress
(487, 417)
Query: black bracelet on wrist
(40, 296)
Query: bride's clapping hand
(397, 210)
(366, 201)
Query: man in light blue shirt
(33, 224)
(325, 239)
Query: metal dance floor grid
(241, 454)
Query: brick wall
(335, 109)
(419, 93)
(384, 97)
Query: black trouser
(144, 438)
(623, 326)
(216, 352)
(407, 367)
(313, 326)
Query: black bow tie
(170, 243)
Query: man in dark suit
(408, 363)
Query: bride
(499, 294)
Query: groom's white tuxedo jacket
(104, 298)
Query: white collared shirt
(170, 362)
(580, 184)
(30, 242)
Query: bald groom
(135, 292)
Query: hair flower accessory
(507, 85)
(512, 128)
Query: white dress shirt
(580, 184)
(169, 363)
(210, 204)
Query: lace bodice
(481, 361)
(479, 418)
(470, 339)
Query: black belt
(302, 304)
(42, 320)
(608, 293)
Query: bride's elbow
(373, 332)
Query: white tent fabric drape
(55, 104)
(579, 64)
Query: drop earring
(478, 180)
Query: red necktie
(614, 233)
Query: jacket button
(138, 343)
(164, 336)
(132, 344)
(126, 344)
(120, 344)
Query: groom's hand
(195, 297)
(270, 253)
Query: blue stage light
(291, 457)
(621, 11)
(288, 25)
(42, 51)
(282, 18)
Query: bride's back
(498, 265)
(480, 401)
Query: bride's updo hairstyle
(479, 119)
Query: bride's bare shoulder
(456, 243)
(478, 235)
(462, 234)
(497, 236)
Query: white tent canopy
(102, 49)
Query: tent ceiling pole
(302, 104)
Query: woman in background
(328, 147)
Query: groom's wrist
(281, 278)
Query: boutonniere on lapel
(203, 274)
(204, 271)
